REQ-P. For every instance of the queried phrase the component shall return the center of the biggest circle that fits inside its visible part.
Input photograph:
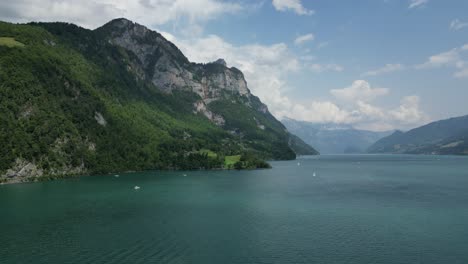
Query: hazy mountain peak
(332, 138)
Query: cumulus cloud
(357, 108)
(408, 112)
(455, 58)
(320, 112)
(303, 39)
(417, 3)
(456, 24)
(294, 5)
(360, 90)
(361, 114)
(388, 68)
(94, 13)
(373, 112)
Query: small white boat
(314, 174)
(137, 187)
(298, 164)
(185, 175)
(116, 175)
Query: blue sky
(375, 64)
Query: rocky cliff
(161, 62)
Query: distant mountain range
(449, 136)
(333, 138)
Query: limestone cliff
(168, 69)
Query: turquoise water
(357, 209)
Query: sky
(373, 64)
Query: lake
(356, 209)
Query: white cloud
(407, 115)
(385, 69)
(360, 90)
(94, 13)
(318, 68)
(456, 24)
(455, 58)
(359, 111)
(370, 111)
(320, 112)
(362, 115)
(408, 112)
(417, 3)
(441, 59)
(295, 5)
(304, 38)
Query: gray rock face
(168, 69)
(25, 171)
(100, 119)
(200, 107)
(21, 171)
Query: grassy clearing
(229, 161)
(10, 42)
(210, 153)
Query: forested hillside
(74, 101)
(447, 136)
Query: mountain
(333, 138)
(448, 136)
(301, 147)
(120, 98)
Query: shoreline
(70, 176)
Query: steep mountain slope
(301, 147)
(333, 139)
(76, 101)
(442, 137)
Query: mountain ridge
(122, 97)
(448, 136)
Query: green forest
(70, 104)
